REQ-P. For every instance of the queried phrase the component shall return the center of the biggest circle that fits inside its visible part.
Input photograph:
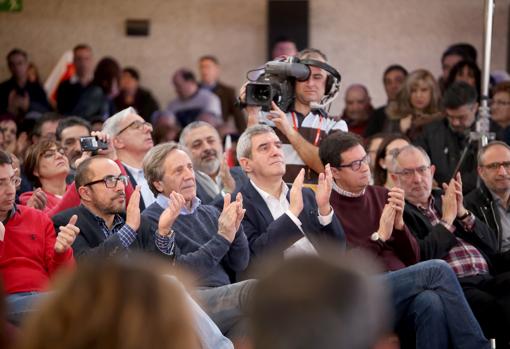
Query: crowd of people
(253, 242)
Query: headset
(332, 82)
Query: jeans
(227, 306)
(19, 305)
(429, 294)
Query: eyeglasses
(500, 103)
(409, 172)
(15, 180)
(50, 153)
(494, 166)
(110, 181)
(136, 125)
(356, 164)
(8, 130)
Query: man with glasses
(108, 226)
(132, 139)
(446, 230)
(426, 296)
(30, 251)
(490, 201)
(500, 110)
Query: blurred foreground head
(113, 303)
(311, 302)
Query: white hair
(112, 125)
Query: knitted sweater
(360, 219)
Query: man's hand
(228, 219)
(240, 210)
(396, 200)
(133, 210)
(252, 110)
(296, 194)
(66, 235)
(323, 192)
(110, 152)
(38, 199)
(229, 183)
(386, 222)
(449, 199)
(461, 210)
(279, 118)
(167, 219)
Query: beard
(111, 206)
(212, 166)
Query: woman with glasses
(46, 167)
(417, 105)
(390, 145)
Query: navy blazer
(268, 235)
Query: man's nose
(502, 170)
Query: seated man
(278, 219)
(30, 251)
(69, 132)
(210, 244)
(212, 174)
(445, 229)
(428, 293)
(358, 109)
(104, 229)
(490, 201)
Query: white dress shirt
(147, 195)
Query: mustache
(209, 152)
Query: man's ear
(84, 194)
(335, 172)
(159, 186)
(432, 170)
(245, 164)
(118, 143)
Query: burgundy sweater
(360, 219)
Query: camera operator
(303, 127)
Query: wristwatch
(169, 233)
(375, 237)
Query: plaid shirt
(119, 227)
(464, 258)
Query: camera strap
(317, 135)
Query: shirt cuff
(166, 244)
(293, 218)
(468, 222)
(126, 235)
(450, 227)
(325, 220)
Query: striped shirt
(312, 127)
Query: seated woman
(46, 167)
(417, 104)
(467, 71)
(390, 145)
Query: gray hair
(484, 149)
(244, 142)
(112, 125)
(154, 160)
(192, 126)
(394, 160)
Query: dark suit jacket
(436, 241)
(91, 240)
(227, 96)
(266, 234)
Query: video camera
(277, 81)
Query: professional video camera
(276, 83)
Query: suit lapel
(254, 197)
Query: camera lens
(262, 93)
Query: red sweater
(360, 219)
(52, 199)
(27, 255)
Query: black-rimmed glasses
(136, 125)
(110, 181)
(494, 166)
(356, 164)
(409, 172)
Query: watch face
(375, 236)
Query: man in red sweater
(30, 251)
(427, 297)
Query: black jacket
(91, 240)
(436, 241)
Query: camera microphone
(297, 70)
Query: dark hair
(187, 75)
(81, 47)
(46, 117)
(464, 50)
(457, 68)
(84, 172)
(5, 159)
(133, 72)
(106, 71)
(459, 94)
(33, 156)
(16, 51)
(332, 147)
(380, 174)
(211, 58)
(397, 67)
(70, 122)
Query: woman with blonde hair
(114, 304)
(417, 104)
